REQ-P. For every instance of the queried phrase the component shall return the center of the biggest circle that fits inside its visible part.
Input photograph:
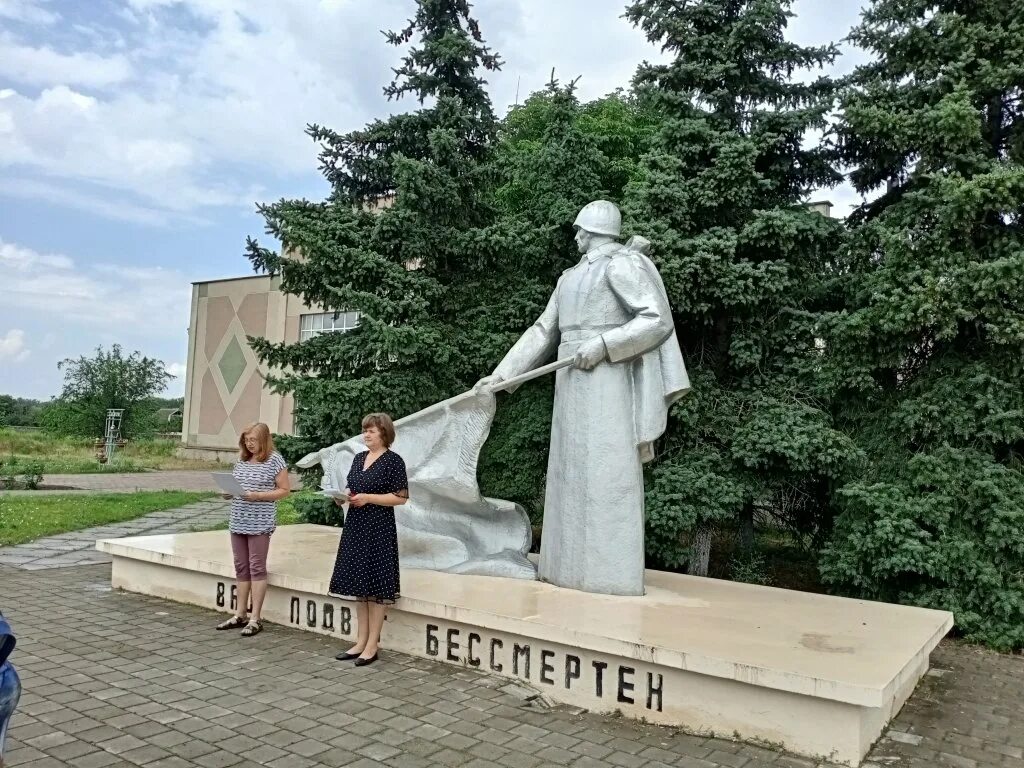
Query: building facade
(225, 387)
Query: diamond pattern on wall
(232, 364)
(219, 314)
(247, 409)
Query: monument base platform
(820, 676)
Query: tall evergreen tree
(404, 268)
(722, 198)
(485, 219)
(930, 354)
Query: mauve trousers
(250, 554)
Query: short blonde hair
(384, 425)
(266, 443)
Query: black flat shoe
(235, 622)
(347, 656)
(361, 662)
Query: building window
(295, 416)
(326, 322)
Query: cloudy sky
(136, 136)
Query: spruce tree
(929, 356)
(404, 268)
(721, 196)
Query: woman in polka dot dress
(366, 569)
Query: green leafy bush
(945, 533)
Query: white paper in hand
(334, 493)
(227, 483)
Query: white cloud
(175, 108)
(209, 99)
(18, 259)
(45, 66)
(104, 202)
(12, 346)
(27, 11)
(204, 109)
(177, 370)
(66, 134)
(150, 301)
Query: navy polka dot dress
(367, 564)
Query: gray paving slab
(129, 482)
(119, 679)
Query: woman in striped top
(263, 474)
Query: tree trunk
(746, 532)
(994, 124)
(700, 552)
(723, 340)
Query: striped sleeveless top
(256, 517)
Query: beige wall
(224, 381)
(824, 207)
(224, 390)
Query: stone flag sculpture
(447, 525)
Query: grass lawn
(76, 456)
(28, 517)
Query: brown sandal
(252, 628)
(234, 623)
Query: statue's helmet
(601, 218)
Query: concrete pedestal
(820, 676)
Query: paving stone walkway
(170, 480)
(79, 547)
(130, 482)
(115, 679)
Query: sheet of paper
(333, 493)
(227, 483)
